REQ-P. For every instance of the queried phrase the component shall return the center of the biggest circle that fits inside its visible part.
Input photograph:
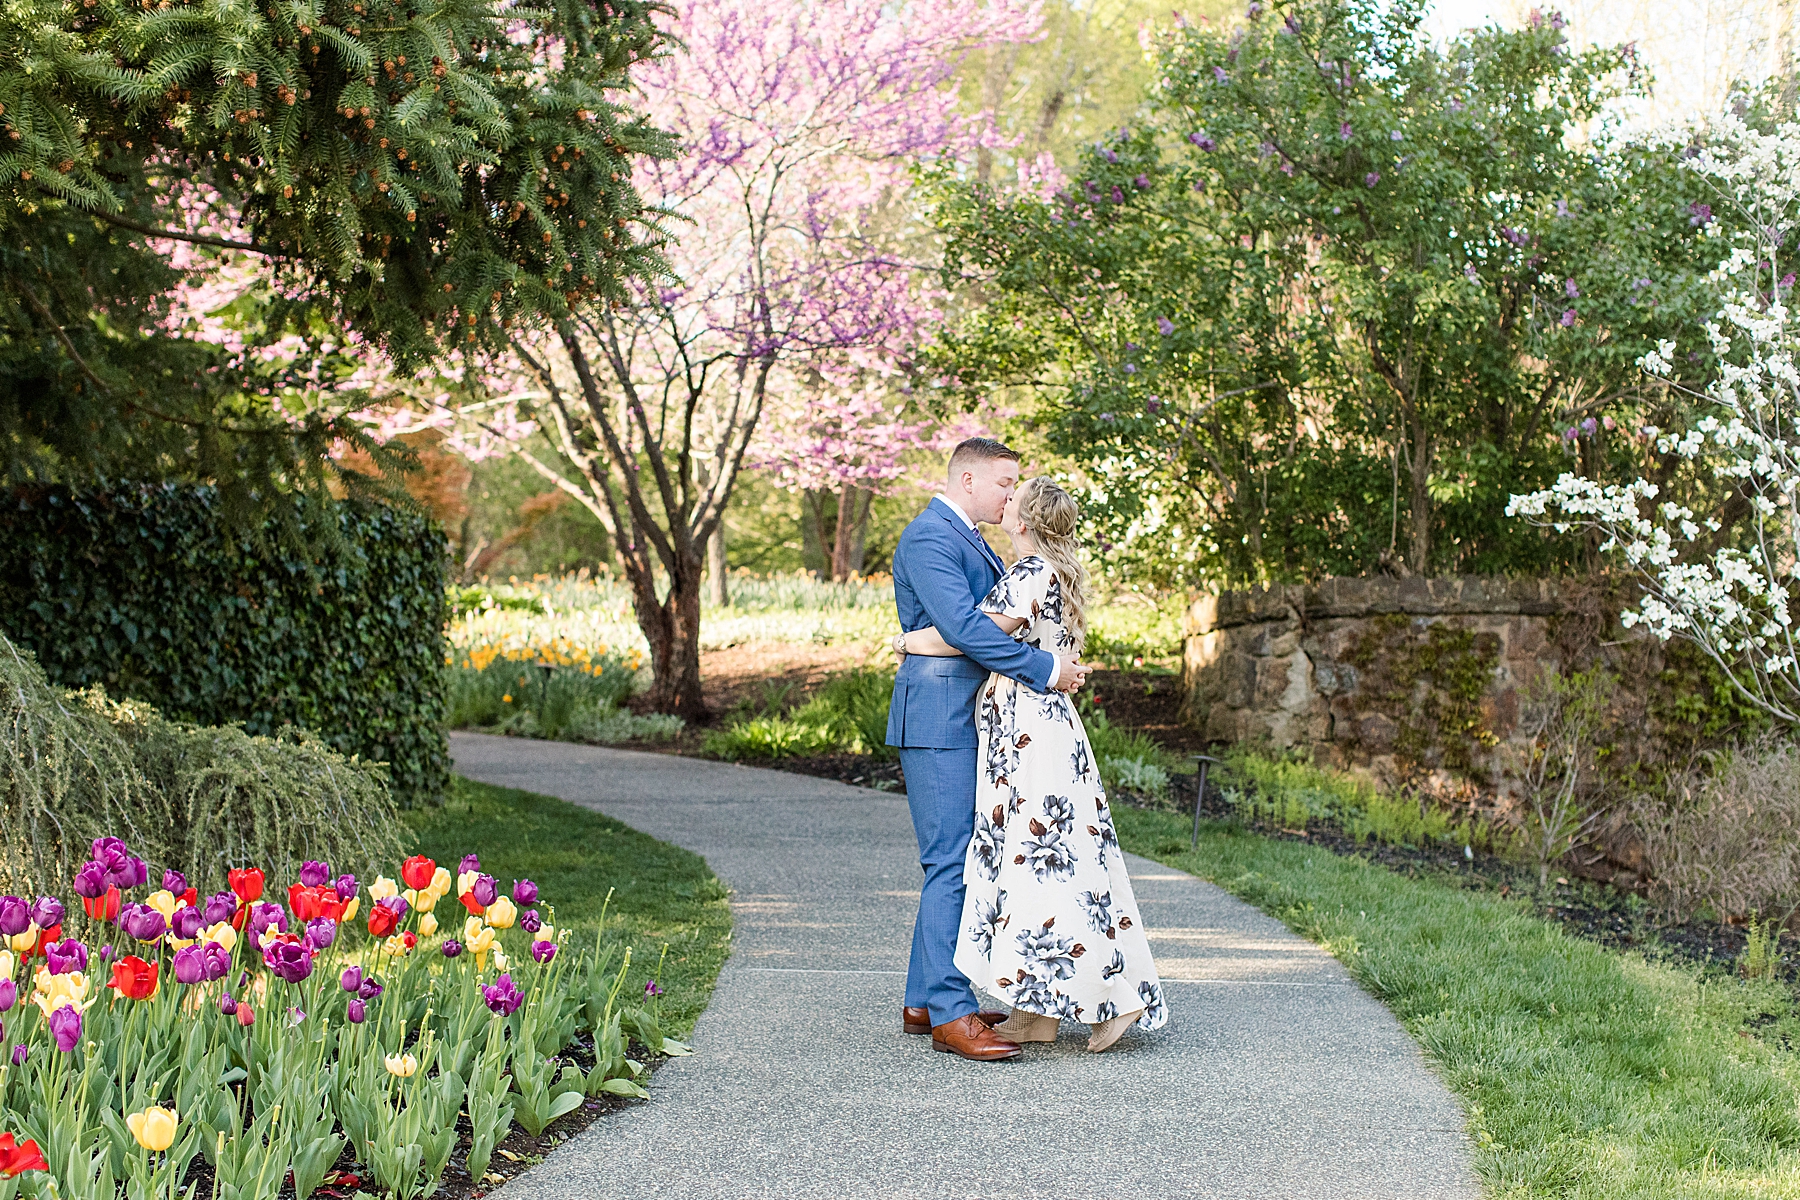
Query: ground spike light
(1203, 761)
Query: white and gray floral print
(1050, 921)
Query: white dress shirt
(947, 502)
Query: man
(942, 569)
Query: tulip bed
(266, 1041)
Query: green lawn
(661, 894)
(1585, 1073)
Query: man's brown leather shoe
(918, 1020)
(970, 1038)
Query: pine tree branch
(198, 239)
(63, 337)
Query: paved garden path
(1276, 1077)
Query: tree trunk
(716, 592)
(1418, 516)
(812, 533)
(672, 627)
(852, 524)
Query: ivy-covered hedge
(144, 590)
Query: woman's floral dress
(1049, 921)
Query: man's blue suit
(942, 569)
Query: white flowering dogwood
(1731, 601)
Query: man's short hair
(970, 451)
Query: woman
(1049, 920)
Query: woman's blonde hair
(1052, 516)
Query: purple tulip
(106, 952)
(346, 888)
(368, 989)
(452, 948)
(19, 1053)
(485, 890)
(65, 1027)
(9, 994)
(218, 961)
(227, 1005)
(187, 923)
(265, 917)
(117, 865)
(292, 961)
(90, 881)
(221, 907)
(142, 922)
(356, 1011)
(531, 922)
(314, 874)
(174, 882)
(469, 863)
(525, 891)
(652, 988)
(502, 996)
(351, 979)
(46, 912)
(15, 917)
(190, 965)
(543, 951)
(66, 956)
(321, 932)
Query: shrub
(1724, 833)
(143, 590)
(1564, 717)
(848, 715)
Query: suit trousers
(940, 790)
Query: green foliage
(1429, 679)
(1292, 793)
(1762, 949)
(1296, 318)
(848, 715)
(1586, 1074)
(1134, 630)
(144, 591)
(569, 704)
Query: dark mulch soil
(863, 770)
(1147, 701)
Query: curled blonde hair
(1052, 516)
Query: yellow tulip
(223, 934)
(500, 960)
(8, 964)
(24, 942)
(395, 945)
(440, 882)
(423, 900)
(545, 934)
(164, 903)
(154, 1128)
(427, 925)
(403, 1066)
(54, 991)
(479, 943)
(350, 909)
(501, 914)
(382, 888)
(465, 881)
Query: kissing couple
(1025, 887)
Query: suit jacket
(942, 569)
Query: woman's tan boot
(1025, 1026)
(1111, 1030)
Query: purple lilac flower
(1589, 425)
(1570, 290)
(543, 951)
(452, 948)
(292, 961)
(190, 965)
(221, 907)
(1372, 178)
(66, 956)
(1292, 24)
(174, 882)
(1142, 181)
(357, 1011)
(1701, 213)
(90, 881)
(1345, 131)
(321, 932)
(46, 912)
(1568, 317)
(525, 891)
(314, 874)
(346, 887)
(1221, 75)
(503, 996)
(351, 979)
(65, 1027)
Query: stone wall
(1312, 665)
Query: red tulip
(102, 908)
(247, 882)
(417, 871)
(134, 978)
(311, 903)
(44, 938)
(17, 1158)
(245, 1014)
(382, 920)
(191, 897)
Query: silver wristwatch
(900, 644)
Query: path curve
(1276, 1077)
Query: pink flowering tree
(798, 125)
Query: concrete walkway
(1276, 1077)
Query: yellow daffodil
(154, 1128)
(223, 934)
(478, 944)
(440, 882)
(501, 914)
(164, 903)
(402, 1066)
(423, 899)
(382, 888)
(25, 942)
(427, 925)
(54, 991)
